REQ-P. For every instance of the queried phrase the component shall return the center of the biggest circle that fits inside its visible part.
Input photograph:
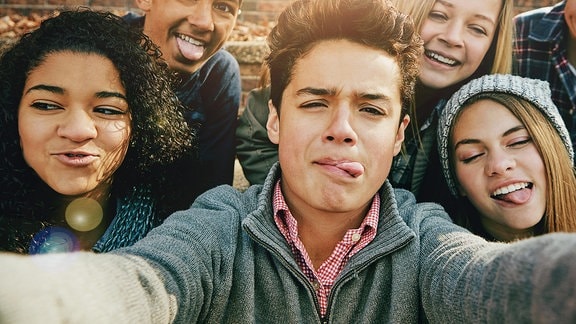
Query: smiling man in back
(191, 35)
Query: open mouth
(189, 40)
(440, 59)
(190, 48)
(504, 192)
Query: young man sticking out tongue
(191, 36)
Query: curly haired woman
(89, 128)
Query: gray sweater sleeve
(81, 288)
(465, 279)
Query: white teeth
(190, 40)
(510, 188)
(441, 58)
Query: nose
(77, 126)
(452, 34)
(499, 163)
(340, 129)
(201, 15)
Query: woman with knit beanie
(507, 155)
(88, 124)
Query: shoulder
(221, 73)
(222, 60)
(227, 199)
(536, 15)
(257, 104)
(215, 217)
(134, 19)
(415, 213)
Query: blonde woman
(463, 40)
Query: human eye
(437, 16)
(372, 110)
(467, 155)
(520, 142)
(470, 158)
(313, 104)
(42, 105)
(225, 7)
(479, 30)
(109, 111)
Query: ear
(144, 5)
(400, 134)
(273, 124)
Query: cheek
(477, 52)
(115, 140)
(33, 139)
(535, 164)
(426, 31)
(467, 179)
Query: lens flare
(53, 240)
(84, 214)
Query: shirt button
(356, 237)
(316, 285)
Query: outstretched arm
(66, 288)
(465, 279)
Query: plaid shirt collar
(551, 26)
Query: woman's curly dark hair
(160, 134)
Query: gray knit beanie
(535, 91)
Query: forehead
(480, 115)
(77, 70)
(348, 67)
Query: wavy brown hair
(373, 23)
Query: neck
(425, 100)
(321, 232)
(87, 216)
(506, 234)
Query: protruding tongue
(517, 197)
(190, 51)
(355, 169)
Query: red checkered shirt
(353, 241)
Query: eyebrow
(316, 92)
(111, 94)
(59, 90)
(332, 92)
(449, 4)
(476, 141)
(44, 87)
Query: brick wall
(252, 10)
(262, 10)
(267, 10)
(25, 7)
